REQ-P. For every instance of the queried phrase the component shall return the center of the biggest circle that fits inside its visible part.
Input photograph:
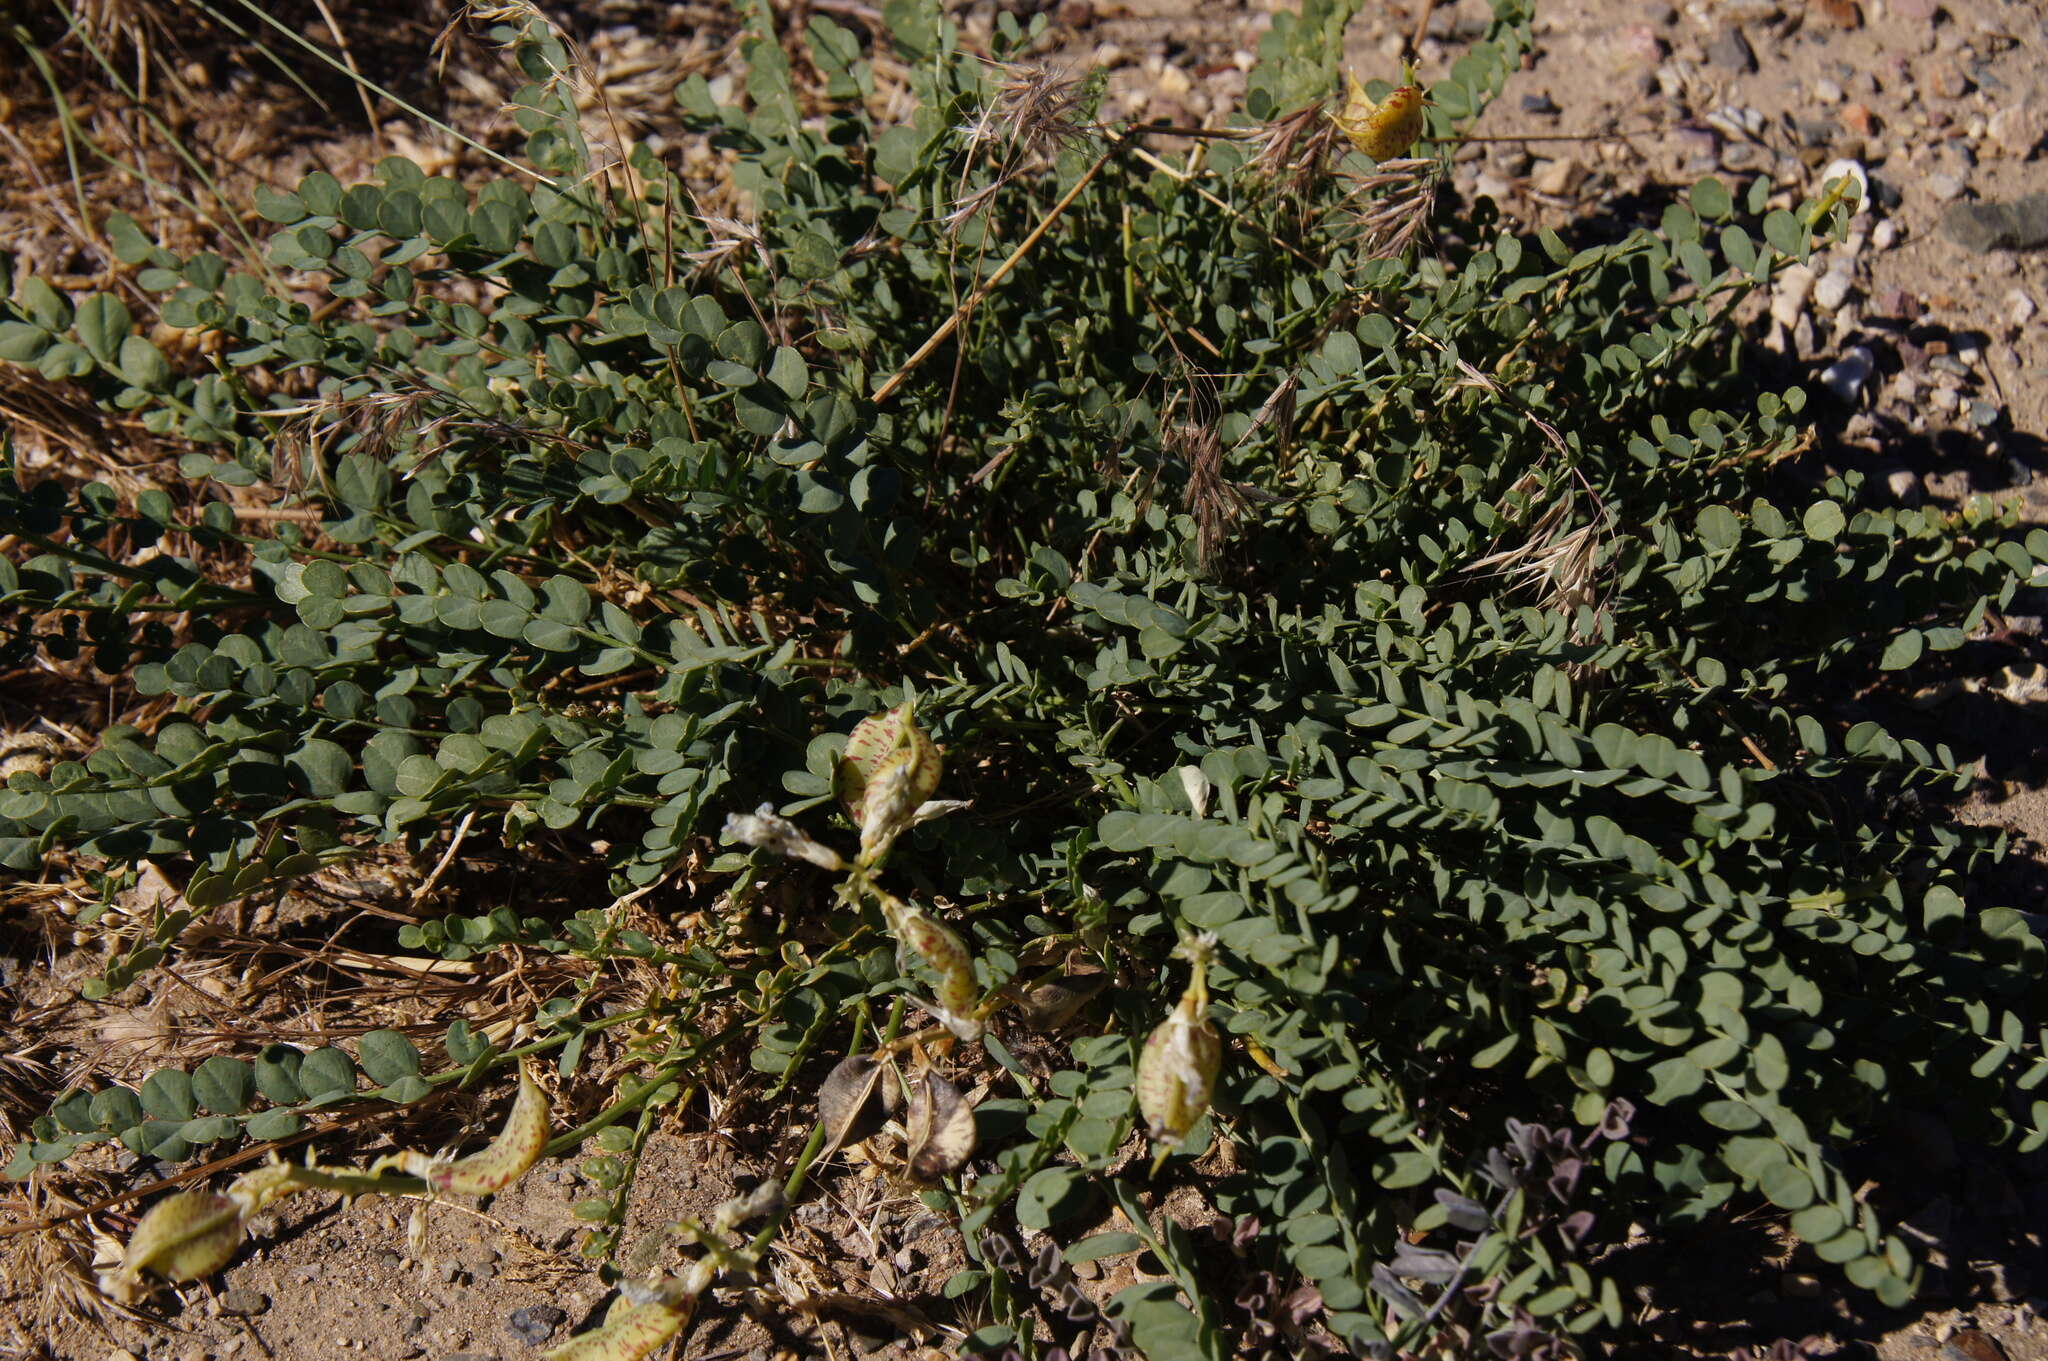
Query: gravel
(1729, 49)
(242, 1303)
(1846, 376)
(536, 1323)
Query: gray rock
(1815, 131)
(241, 1303)
(1730, 49)
(1832, 290)
(1984, 227)
(1944, 186)
(1846, 376)
(536, 1323)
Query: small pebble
(1731, 50)
(1558, 177)
(1948, 81)
(1737, 120)
(1814, 132)
(1825, 91)
(1846, 376)
(1832, 290)
(1541, 105)
(1944, 187)
(2019, 307)
(1695, 142)
(2015, 129)
(1896, 303)
(536, 1323)
(241, 1303)
(1640, 45)
(1885, 235)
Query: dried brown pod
(940, 1128)
(852, 1102)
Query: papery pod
(940, 1129)
(505, 1159)
(888, 771)
(940, 947)
(632, 1329)
(1382, 129)
(873, 738)
(1177, 1067)
(851, 1104)
(185, 1236)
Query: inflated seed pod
(184, 1237)
(940, 947)
(1386, 128)
(506, 1158)
(1177, 1067)
(890, 767)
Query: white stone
(1832, 290)
(1788, 304)
(2019, 307)
(1558, 177)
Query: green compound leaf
(223, 1085)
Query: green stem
(791, 1189)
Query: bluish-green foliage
(1461, 575)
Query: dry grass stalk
(1557, 560)
(1391, 206)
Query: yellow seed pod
(941, 948)
(1384, 129)
(505, 1160)
(184, 1237)
(1177, 1067)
